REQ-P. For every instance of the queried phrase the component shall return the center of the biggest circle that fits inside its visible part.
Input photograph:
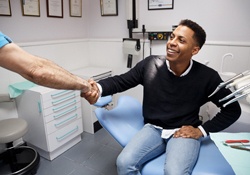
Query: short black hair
(199, 33)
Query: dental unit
(240, 90)
(245, 94)
(240, 83)
(224, 84)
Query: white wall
(28, 29)
(224, 20)
(107, 26)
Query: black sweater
(170, 101)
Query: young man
(174, 90)
(38, 70)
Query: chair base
(22, 160)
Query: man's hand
(188, 132)
(93, 95)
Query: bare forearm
(39, 70)
(49, 74)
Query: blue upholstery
(102, 101)
(126, 119)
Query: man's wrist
(99, 89)
(86, 86)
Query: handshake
(91, 91)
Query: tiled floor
(94, 155)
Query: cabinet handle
(67, 120)
(67, 134)
(64, 113)
(64, 106)
(39, 107)
(56, 95)
(63, 99)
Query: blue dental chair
(126, 119)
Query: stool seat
(16, 160)
(12, 129)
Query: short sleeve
(4, 40)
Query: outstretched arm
(38, 70)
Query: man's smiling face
(181, 45)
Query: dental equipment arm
(242, 86)
(235, 92)
(237, 98)
(238, 81)
(223, 84)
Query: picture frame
(31, 7)
(75, 8)
(160, 4)
(5, 8)
(109, 7)
(55, 8)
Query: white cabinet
(90, 123)
(54, 118)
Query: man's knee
(125, 165)
(124, 160)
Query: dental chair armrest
(103, 101)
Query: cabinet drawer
(61, 122)
(61, 100)
(54, 94)
(64, 135)
(68, 111)
(60, 109)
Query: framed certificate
(160, 4)
(31, 7)
(5, 9)
(75, 8)
(109, 7)
(55, 8)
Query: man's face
(181, 46)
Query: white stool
(20, 160)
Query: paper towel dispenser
(131, 46)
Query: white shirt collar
(186, 71)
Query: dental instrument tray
(238, 144)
